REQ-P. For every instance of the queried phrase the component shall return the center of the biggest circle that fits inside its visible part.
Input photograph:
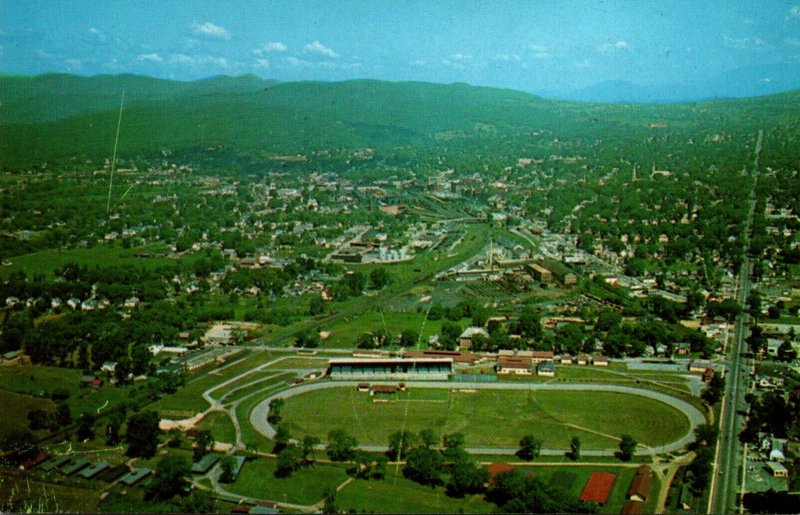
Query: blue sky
(533, 45)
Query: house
(700, 366)
(708, 375)
(583, 359)
(386, 389)
(513, 365)
(777, 469)
(539, 273)
(776, 450)
(566, 359)
(541, 356)
(600, 361)
(466, 339)
(547, 369)
(109, 366)
(641, 484)
(363, 387)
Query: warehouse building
(391, 368)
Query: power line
(114, 157)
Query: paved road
(726, 474)
(258, 416)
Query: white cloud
(542, 55)
(613, 47)
(453, 64)
(318, 48)
(294, 61)
(153, 58)
(507, 57)
(792, 41)
(419, 62)
(461, 57)
(745, 43)
(333, 65)
(74, 63)
(274, 46)
(46, 55)
(794, 12)
(261, 64)
(210, 30)
(583, 64)
(181, 59)
(539, 48)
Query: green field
(489, 418)
(47, 261)
(220, 426)
(405, 496)
(305, 486)
(16, 408)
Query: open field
(47, 261)
(21, 493)
(220, 426)
(16, 408)
(40, 381)
(405, 496)
(306, 486)
(489, 418)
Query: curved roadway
(258, 416)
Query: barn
(641, 484)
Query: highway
(725, 485)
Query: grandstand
(391, 368)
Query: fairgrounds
(673, 418)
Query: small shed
(205, 463)
(135, 476)
(777, 469)
(92, 471)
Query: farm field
(553, 416)
(15, 410)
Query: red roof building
(498, 467)
(641, 484)
(598, 487)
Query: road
(258, 416)
(725, 482)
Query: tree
(316, 305)
(175, 438)
(18, 440)
(529, 324)
(306, 338)
(112, 429)
(466, 478)
(786, 352)
(171, 477)
(424, 466)
(329, 504)
(378, 278)
(282, 439)
(409, 338)
(713, 392)
(308, 446)
(449, 334)
(228, 464)
(627, 446)
(289, 460)
(202, 444)
(574, 452)
(705, 435)
(428, 438)
(198, 501)
(85, 427)
(63, 415)
(38, 419)
(529, 448)
(340, 445)
(274, 414)
(400, 442)
(454, 447)
(142, 434)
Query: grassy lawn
(25, 494)
(268, 382)
(553, 416)
(345, 331)
(306, 486)
(16, 408)
(47, 261)
(301, 363)
(220, 426)
(38, 381)
(404, 496)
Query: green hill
(52, 117)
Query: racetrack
(695, 417)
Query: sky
(530, 45)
